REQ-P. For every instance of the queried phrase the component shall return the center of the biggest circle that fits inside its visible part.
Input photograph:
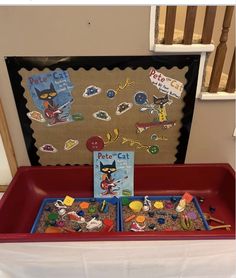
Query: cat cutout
(51, 93)
(108, 183)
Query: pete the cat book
(113, 173)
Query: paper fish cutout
(70, 144)
(123, 107)
(48, 148)
(91, 91)
(102, 115)
(36, 116)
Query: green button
(92, 209)
(153, 149)
(125, 201)
(53, 216)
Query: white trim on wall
(152, 27)
(200, 74)
(183, 49)
(218, 96)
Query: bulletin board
(74, 111)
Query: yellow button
(159, 205)
(68, 201)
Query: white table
(195, 258)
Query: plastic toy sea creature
(60, 205)
(94, 224)
(135, 227)
(147, 205)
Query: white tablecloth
(195, 258)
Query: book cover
(113, 173)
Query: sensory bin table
(19, 206)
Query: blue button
(161, 221)
(140, 97)
(111, 93)
(80, 213)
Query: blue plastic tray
(46, 201)
(158, 198)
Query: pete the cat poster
(113, 174)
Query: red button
(95, 143)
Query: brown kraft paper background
(82, 130)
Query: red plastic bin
(21, 202)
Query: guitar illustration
(52, 111)
(108, 185)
